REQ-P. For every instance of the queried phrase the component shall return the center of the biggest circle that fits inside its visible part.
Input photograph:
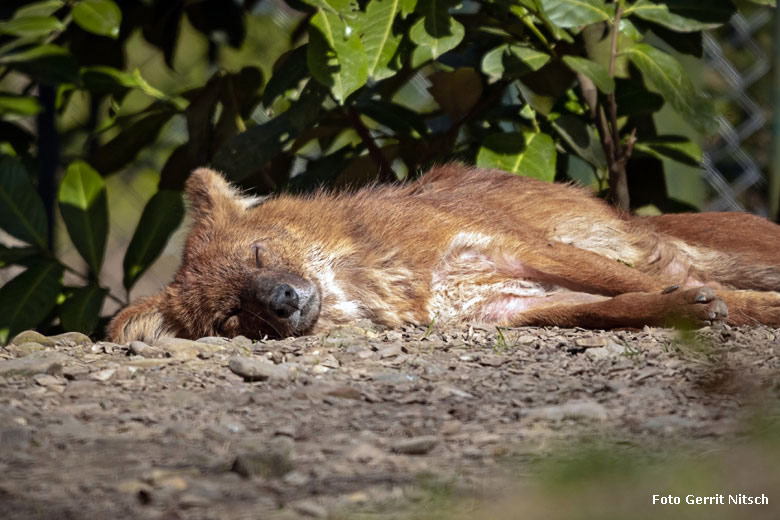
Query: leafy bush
(370, 88)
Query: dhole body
(458, 245)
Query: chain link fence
(736, 163)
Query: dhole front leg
(697, 306)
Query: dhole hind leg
(697, 306)
(752, 307)
(751, 243)
(578, 269)
(740, 233)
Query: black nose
(284, 300)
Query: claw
(670, 289)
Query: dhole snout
(279, 304)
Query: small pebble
(593, 342)
(311, 509)
(415, 445)
(254, 370)
(103, 375)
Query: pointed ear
(143, 320)
(209, 193)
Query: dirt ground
(356, 423)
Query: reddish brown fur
(459, 245)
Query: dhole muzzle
(278, 304)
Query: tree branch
(606, 121)
(73, 271)
(618, 158)
(612, 56)
(385, 171)
(447, 140)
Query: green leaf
(160, 218)
(46, 63)
(28, 298)
(15, 255)
(20, 105)
(513, 61)
(685, 43)
(81, 310)
(113, 81)
(379, 39)
(582, 138)
(101, 17)
(321, 170)
(574, 13)
(592, 70)
(531, 154)
(336, 56)
(598, 47)
(119, 151)
(17, 137)
(523, 9)
(407, 7)
(629, 30)
(21, 210)
(289, 70)
(33, 53)
(711, 11)
(249, 151)
(435, 35)
(633, 98)
(456, 91)
(436, 15)
(31, 26)
(399, 119)
(665, 74)
(675, 147)
(84, 209)
(342, 7)
(45, 8)
(660, 14)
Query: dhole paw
(697, 306)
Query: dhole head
(240, 275)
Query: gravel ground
(354, 421)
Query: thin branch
(55, 34)
(385, 171)
(447, 140)
(21, 41)
(87, 279)
(610, 145)
(534, 29)
(612, 57)
(617, 154)
(239, 121)
(591, 95)
(615, 32)
(629, 145)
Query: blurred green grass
(607, 480)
